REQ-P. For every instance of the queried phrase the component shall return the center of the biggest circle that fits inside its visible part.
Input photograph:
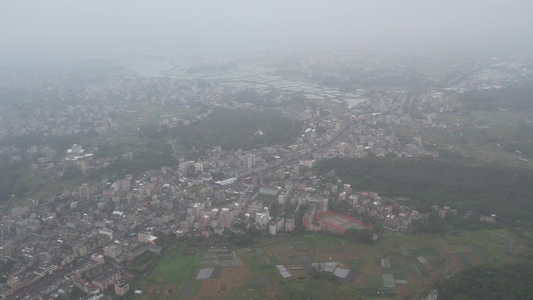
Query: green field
(416, 262)
(168, 277)
(174, 268)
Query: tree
(359, 235)
(488, 282)
(76, 293)
(339, 206)
(72, 171)
(320, 130)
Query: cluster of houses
(91, 232)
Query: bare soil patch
(170, 289)
(152, 288)
(210, 288)
(234, 277)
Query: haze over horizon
(62, 31)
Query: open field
(171, 274)
(406, 263)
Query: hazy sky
(87, 29)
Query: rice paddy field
(397, 266)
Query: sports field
(340, 222)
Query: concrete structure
(308, 217)
(85, 192)
(315, 226)
(121, 288)
(226, 218)
(144, 237)
(276, 226)
(264, 190)
(284, 197)
(98, 258)
(113, 250)
(262, 219)
(289, 225)
(106, 279)
(321, 204)
(79, 250)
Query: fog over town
(62, 31)
(266, 149)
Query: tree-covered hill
(512, 97)
(504, 191)
(510, 282)
(239, 128)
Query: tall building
(321, 204)
(79, 250)
(125, 184)
(226, 218)
(106, 279)
(197, 207)
(113, 250)
(248, 161)
(98, 258)
(85, 192)
(77, 149)
(262, 219)
(198, 167)
(284, 197)
(264, 190)
(184, 226)
(202, 222)
(220, 195)
(289, 225)
(121, 288)
(190, 221)
(144, 237)
(308, 216)
(275, 226)
(307, 163)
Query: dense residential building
(289, 225)
(121, 288)
(79, 250)
(98, 258)
(106, 279)
(226, 218)
(118, 220)
(315, 226)
(85, 192)
(309, 216)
